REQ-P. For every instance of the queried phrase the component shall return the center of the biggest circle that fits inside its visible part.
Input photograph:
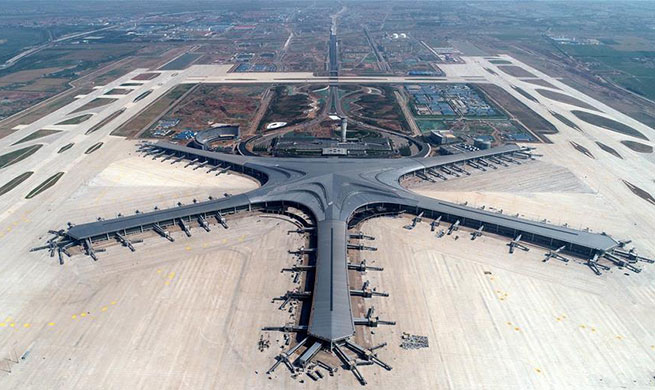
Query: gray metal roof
(331, 315)
(332, 189)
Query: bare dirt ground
(500, 321)
(188, 314)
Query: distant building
(482, 143)
(441, 137)
(520, 137)
(220, 132)
(299, 146)
(457, 149)
(187, 134)
(334, 152)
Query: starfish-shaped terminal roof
(332, 190)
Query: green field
(428, 125)
(608, 124)
(49, 182)
(15, 39)
(500, 62)
(93, 148)
(36, 135)
(13, 183)
(74, 59)
(286, 106)
(181, 62)
(95, 103)
(65, 147)
(633, 70)
(163, 104)
(17, 155)
(76, 121)
(638, 146)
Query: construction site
(157, 264)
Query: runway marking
(15, 224)
(501, 295)
(8, 321)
